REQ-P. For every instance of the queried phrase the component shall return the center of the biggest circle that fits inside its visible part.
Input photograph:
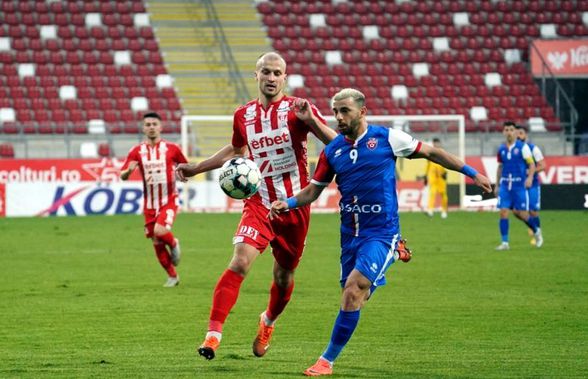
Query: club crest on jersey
(516, 151)
(372, 143)
(250, 114)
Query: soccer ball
(239, 178)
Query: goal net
(202, 136)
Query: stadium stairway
(193, 54)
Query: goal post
(203, 135)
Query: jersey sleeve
(498, 156)
(526, 153)
(239, 139)
(132, 156)
(403, 144)
(537, 154)
(179, 157)
(324, 174)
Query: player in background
(535, 189)
(157, 159)
(272, 130)
(436, 179)
(362, 160)
(514, 176)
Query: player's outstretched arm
(187, 170)
(451, 162)
(303, 111)
(124, 175)
(306, 196)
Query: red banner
(2, 200)
(565, 58)
(62, 170)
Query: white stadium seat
(68, 92)
(371, 32)
(295, 81)
(333, 57)
(164, 81)
(139, 104)
(141, 19)
(7, 115)
(420, 69)
(537, 124)
(492, 79)
(26, 69)
(440, 44)
(48, 31)
(548, 31)
(317, 20)
(461, 19)
(478, 113)
(5, 44)
(93, 19)
(122, 57)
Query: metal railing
(241, 92)
(554, 93)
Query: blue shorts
(535, 198)
(516, 198)
(371, 256)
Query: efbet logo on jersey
(365, 208)
(269, 141)
(372, 143)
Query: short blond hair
(357, 96)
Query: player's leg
(162, 231)
(521, 211)
(444, 202)
(432, 199)
(160, 249)
(534, 207)
(372, 259)
(225, 296)
(287, 247)
(251, 238)
(504, 204)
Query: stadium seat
(6, 150)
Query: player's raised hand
(302, 109)
(483, 182)
(276, 208)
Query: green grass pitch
(83, 297)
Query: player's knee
(160, 230)
(354, 296)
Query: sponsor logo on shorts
(248, 231)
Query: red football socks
(168, 238)
(279, 298)
(164, 259)
(225, 296)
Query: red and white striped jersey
(157, 164)
(276, 139)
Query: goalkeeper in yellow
(436, 180)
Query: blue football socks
(344, 327)
(534, 221)
(504, 229)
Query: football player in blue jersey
(514, 176)
(362, 158)
(535, 190)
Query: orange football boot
(321, 367)
(262, 340)
(208, 347)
